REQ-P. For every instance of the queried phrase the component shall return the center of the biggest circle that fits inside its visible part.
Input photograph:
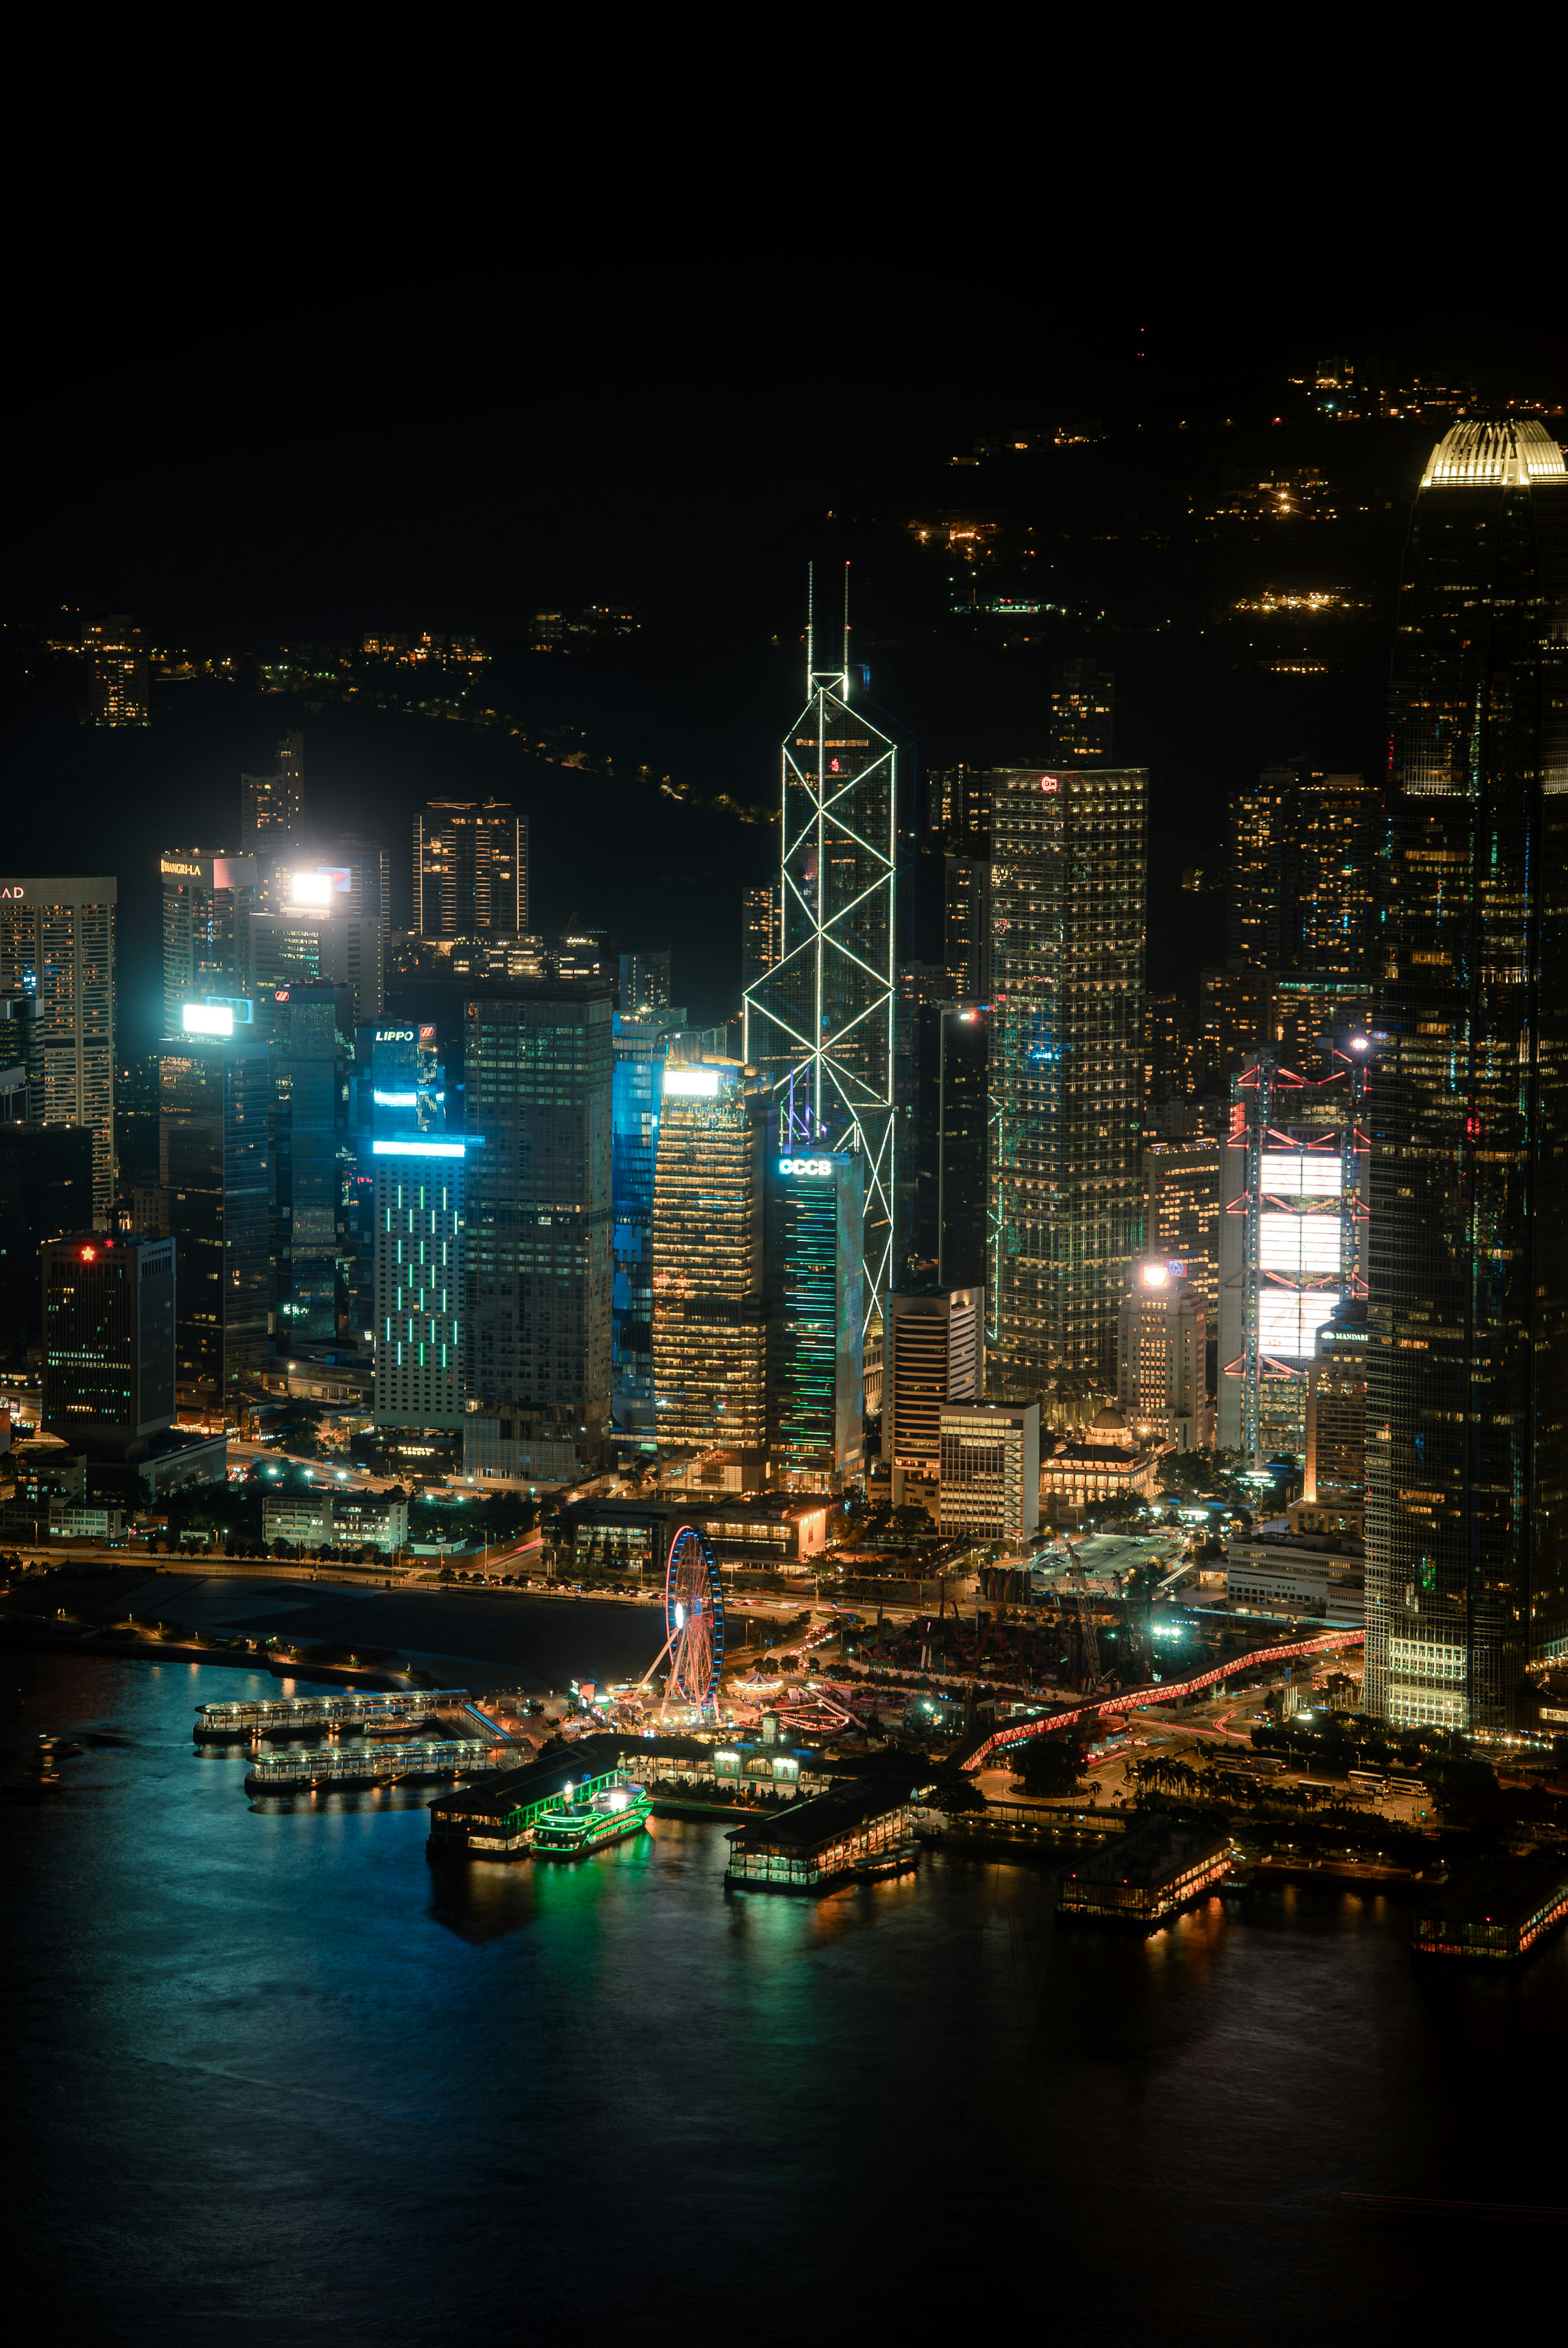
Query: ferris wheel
(694, 1622)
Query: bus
(1368, 1781)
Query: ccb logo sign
(805, 1165)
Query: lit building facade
(934, 1352)
(1336, 1412)
(762, 931)
(470, 870)
(273, 807)
(642, 1046)
(710, 1317)
(312, 1166)
(1304, 857)
(645, 982)
(1083, 713)
(117, 666)
(815, 1318)
(946, 1156)
(421, 1346)
(820, 1025)
(1466, 1455)
(57, 947)
(539, 1076)
(215, 1114)
(208, 900)
(1293, 1240)
(1181, 1214)
(967, 927)
(991, 1472)
(108, 1340)
(1103, 1462)
(1069, 890)
(308, 941)
(1161, 1352)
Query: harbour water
(269, 2074)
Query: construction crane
(1085, 1621)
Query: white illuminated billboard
(310, 888)
(1288, 1319)
(691, 1083)
(1301, 1173)
(1304, 1247)
(206, 1019)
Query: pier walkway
(382, 1765)
(374, 1708)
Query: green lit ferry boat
(577, 1827)
(559, 1808)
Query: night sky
(437, 450)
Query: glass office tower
(57, 949)
(710, 1324)
(215, 1120)
(1467, 1452)
(538, 1072)
(1068, 884)
(420, 1288)
(642, 1046)
(819, 1026)
(312, 1167)
(815, 1319)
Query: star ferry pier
(564, 1807)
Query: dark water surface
(270, 2075)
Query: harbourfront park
(830, 1767)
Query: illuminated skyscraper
(215, 1111)
(934, 1352)
(119, 665)
(820, 1024)
(108, 1340)
(642, 1044)
(1162, 1351)
(312, 1168)
(422, 1325)
(1181, 1214)
(814, 1318)
(1305, 846)
(645, 982)
(308, 940)
(537, 1073)
(57, 946)
(761, 931)
(1067, 904)
(1293, 1240)
(470, 870)
(1336, 1412)
(947, 1237)
(710, 1321)
(273, 807)
(1467, 1454)
(208, 900)
(1083, 713)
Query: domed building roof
(1109, 1418)
(1512, 455)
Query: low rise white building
(1319, 1575)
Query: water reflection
(314, 2082)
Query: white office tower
(1162, 1351)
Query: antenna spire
(810, 625)
(846, 627)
